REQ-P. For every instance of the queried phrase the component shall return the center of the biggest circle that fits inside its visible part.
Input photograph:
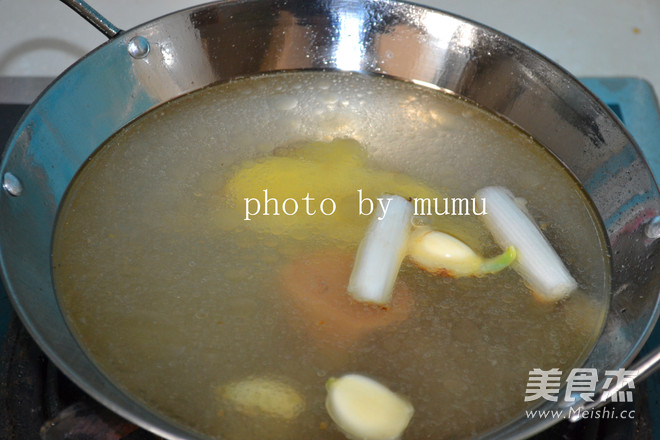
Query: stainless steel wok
(144, 67)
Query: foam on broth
(174, 301)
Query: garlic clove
(365, 409)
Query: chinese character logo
(582, 382)
(624, 379)
(543, 384)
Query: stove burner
(38, 401)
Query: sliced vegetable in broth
(231, 320)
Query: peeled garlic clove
(264, 396)
(365, 409)
(437, 252)
(441, 253)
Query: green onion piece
(381, 251)
(537, 262)
(499, 262)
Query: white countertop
(587, 37)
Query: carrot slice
(316, 286)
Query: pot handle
(645, 367)
(92, 16)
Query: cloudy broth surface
(175, 295)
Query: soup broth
(178, 297)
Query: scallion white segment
(537, 261)
(365, 409)
(381, 251)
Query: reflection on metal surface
(138, 47)
(12, 185)
(349, 50)
(92, 16)
(167, 53)
(653, 228)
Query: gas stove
(37, 401)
